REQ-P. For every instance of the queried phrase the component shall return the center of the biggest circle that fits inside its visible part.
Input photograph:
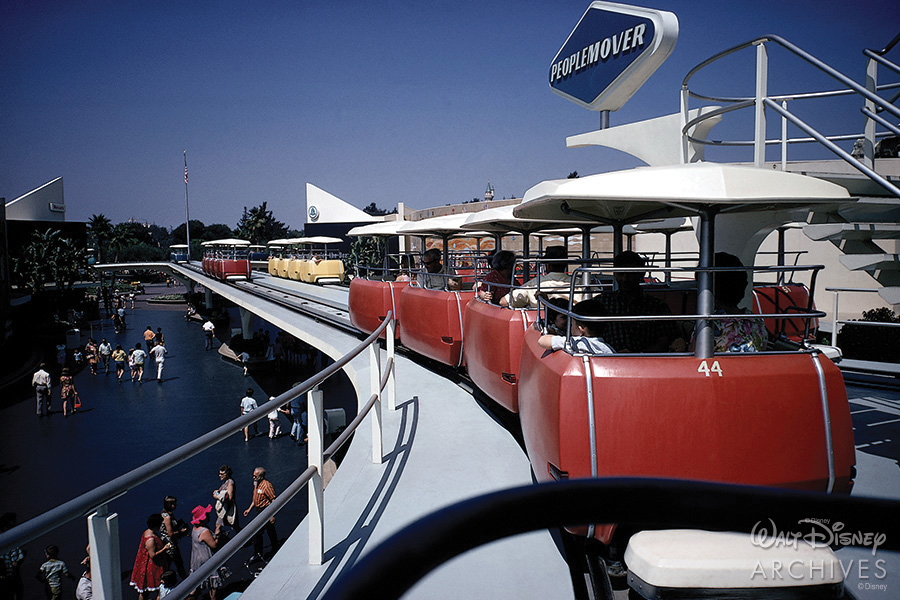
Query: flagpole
(187, 212)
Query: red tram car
(226, 259)
(766, 418)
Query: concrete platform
(440, 447)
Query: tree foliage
(259, 225)
(375, 211)
(50, 258)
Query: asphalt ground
(47, 461)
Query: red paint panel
(494, 338)
(432, 323)
(754, 419)
(370, 302)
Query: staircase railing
(874, 104)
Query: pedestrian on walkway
(263, 495)
(203, 544)
(119, 357)
(245, 361)
(149, 336)
(68, 392)
(92, 355)
(105, 350)
(248, 405)
(139, 357)
(274, 424)
(41, 384)
(51, 573)
(159, 355)
(209, 330)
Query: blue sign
(611, 52)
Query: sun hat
(200, 513)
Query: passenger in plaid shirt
(629, 300)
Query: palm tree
(259, 225)
(120, 237)
(101, 230)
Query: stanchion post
(315, 451)
(391, 356)
(375, 381)
(106, 570)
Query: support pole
(705, 301)
(392, 378)
(315, 449)
(106, 570)
(762, 74)
(207, 298)
(375, 383)
(246, 322)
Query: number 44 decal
(706, 368)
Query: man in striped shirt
(263, 495)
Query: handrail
(834, 312)
(96, 500)
(875, 104)
(396, 564)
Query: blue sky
(417, 102)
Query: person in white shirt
(159, 355)
(105, 349)
(41, 384)
(586, 336)
(555, 279)
(139, 357)
(248, 404)
(209, 330)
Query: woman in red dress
(151, 560)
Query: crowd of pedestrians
(159, 563)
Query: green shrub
(867, 342)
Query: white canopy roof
(674, 191)
(384, 228)
(321, 239)
(501, 219)
(446, 225)
(665, 225)
(226, 242)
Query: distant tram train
(775, 416)
(226, 260)
(306, 259)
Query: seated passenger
(586, 335)
(503, 263)
(556, 277)
(557, 322)
(434, 278)
(630, 300)
(403, 275)
(734, 335)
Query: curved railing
(103, 526)
(874, 105)
(399, 562)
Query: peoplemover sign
(612, 51)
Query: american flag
(185, 174)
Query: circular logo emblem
(313, 213)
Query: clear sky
(417, 102)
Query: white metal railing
(762, 100)
(834, 312)
(103, 529)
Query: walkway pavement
(440, 448)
